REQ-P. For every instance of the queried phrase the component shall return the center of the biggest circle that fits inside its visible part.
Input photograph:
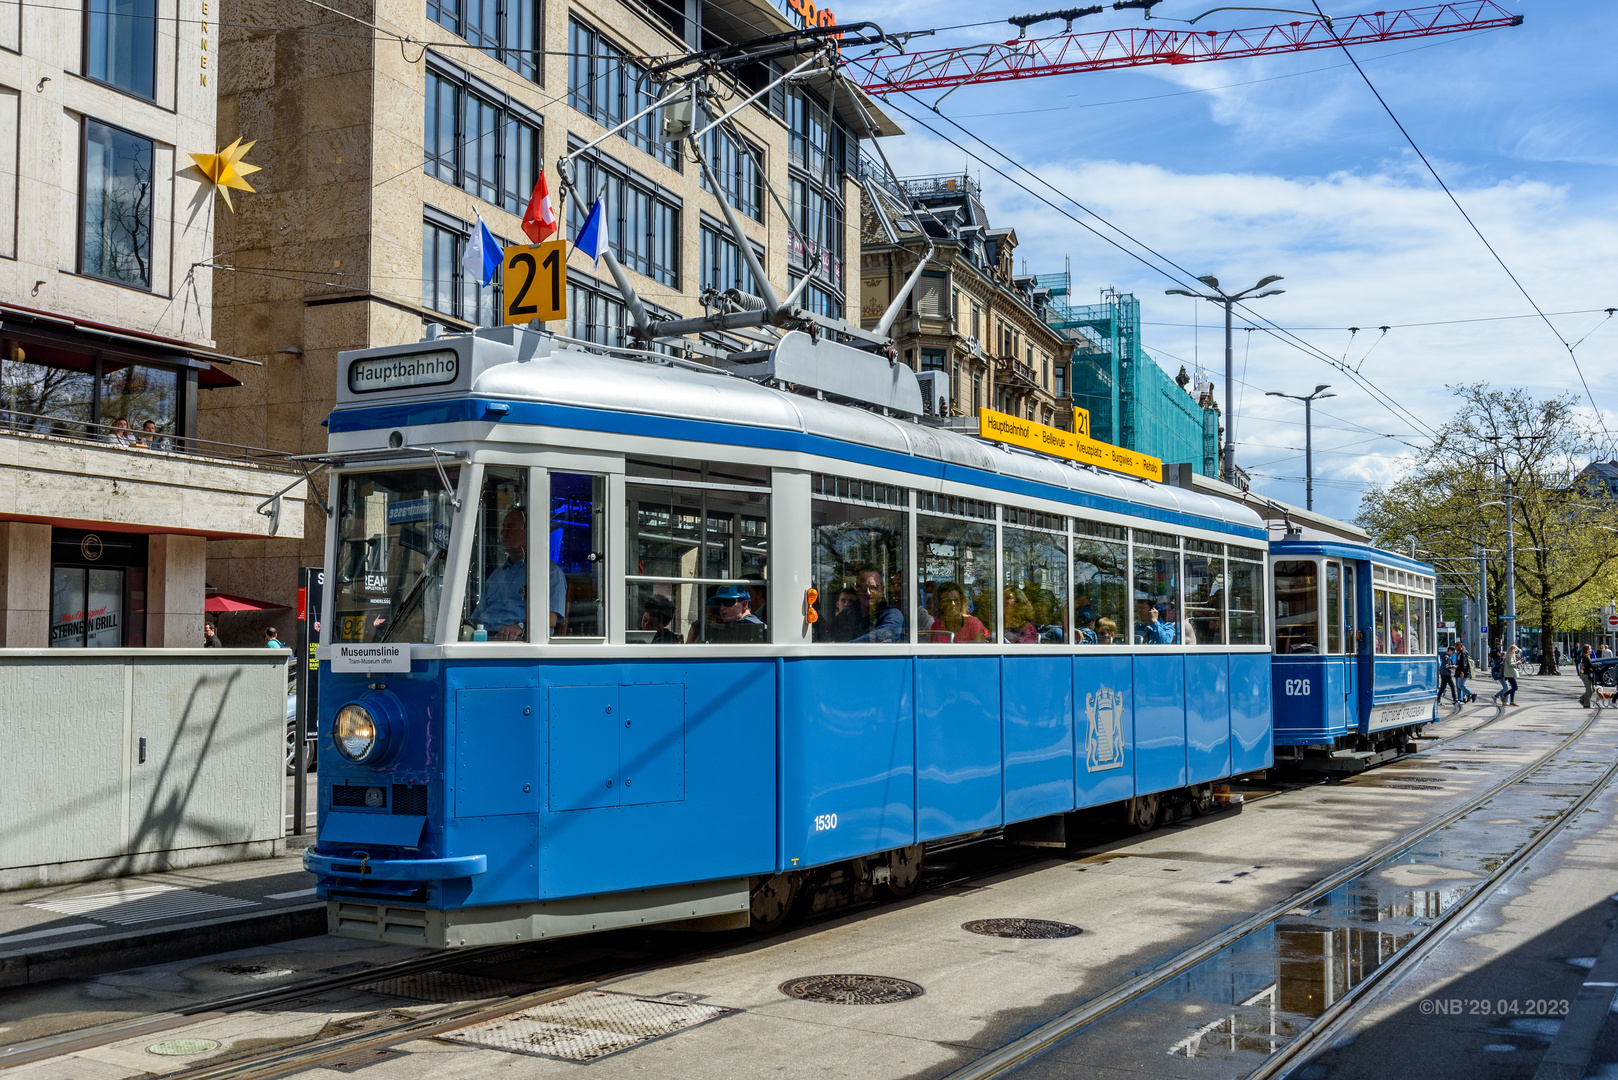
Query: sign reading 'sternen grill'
(399, 372)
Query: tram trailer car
(613, 639)
(1356, 658)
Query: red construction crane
(1063, 54)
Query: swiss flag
(539, 220)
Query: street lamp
(1308, 438)
(1220, 296)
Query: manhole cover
(851, 989)
(182, 1047)
(442, 986)
(1021, 928)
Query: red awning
(226, 602)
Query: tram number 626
(823, 822)
(535, 282)
(1296, 687)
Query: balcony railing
(68, 430)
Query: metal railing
(16, 422)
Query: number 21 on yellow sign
(535, 282)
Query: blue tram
(614, 638)
(1356, 667)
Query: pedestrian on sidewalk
(1463, 672)
(1446, 675)
(1510, 657)
(1587, 675)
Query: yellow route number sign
(535, 282)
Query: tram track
(287, 1060)
(1023, 1049)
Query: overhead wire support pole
(1063, 54)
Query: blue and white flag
(483, 255)
(592, 239)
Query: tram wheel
(1202, 800)
(904, 870)
(773, 899)
(1142, 811)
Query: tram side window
(1351, 602)
(1246, 604)
(393, 536)
(860, 536)
(1100, 584)
(1205, 593)
(955, 562)
(496, 604)
(1418, 626)
(1379, 612)
(1157, 588)
(1033, 597)
(698, 556)
(1334, 608)
(578, 557)
(1432, 627)
(1297, 606)
(1396, 624)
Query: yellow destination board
(1065, 444)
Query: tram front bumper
(362, 867)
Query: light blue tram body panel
(1313, 699)
(848, 758)
(1038, 723)
(1207, 717)
(958, 745)
(1404, 690)
(1252, 744)
(1160, 721)
(1104, 734)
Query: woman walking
(1463, 672)
(1510, 657)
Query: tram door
(1339, 666)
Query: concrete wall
(80, 803)
(25, 584)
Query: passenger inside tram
(736, 624)
(1106, 631)
(655, 615)
(1150, 628)
(954, 625)
(879, 618)
(1018, 618)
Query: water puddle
(1222, 1017)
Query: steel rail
(1342, 1013)
(1050, 1033)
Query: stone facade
(333, 253)
(971, 315)
(106, 315)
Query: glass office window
(117, 188)
(120, 44)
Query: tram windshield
(392, 537)
(1297, 606)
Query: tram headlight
(355, 732)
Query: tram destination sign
(375, 373)
(1001, 427)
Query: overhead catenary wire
(1600, 419)
(1416, 424)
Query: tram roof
(568, 387)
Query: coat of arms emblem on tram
(1104, 747)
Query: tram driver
(1150, 628)
(504, 604)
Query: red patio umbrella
(225, 602)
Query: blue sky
(1287, 165)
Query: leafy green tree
(1500, 448)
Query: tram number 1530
(823, 822)
(1296, 687)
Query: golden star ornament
(226, 169)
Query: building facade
(971, 316)
(107, 498)
(379, 157)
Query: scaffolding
(1132, 401)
